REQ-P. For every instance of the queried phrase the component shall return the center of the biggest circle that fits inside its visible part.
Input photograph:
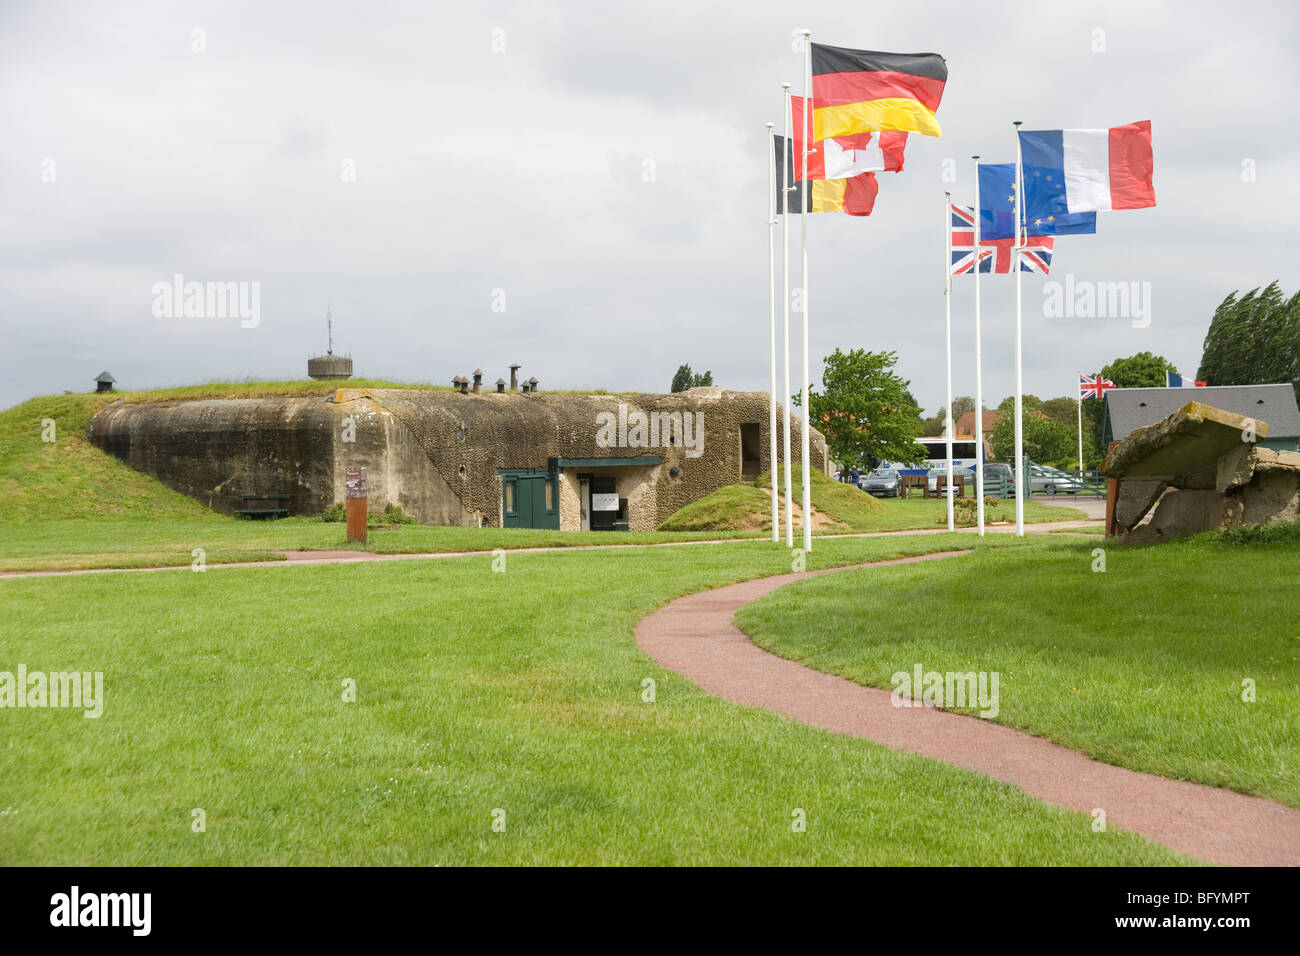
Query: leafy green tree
(1044, 440)
(1143, 370)
(1253, 340)
(685, 379)
(865, 410)
(1062, 409)
(961, 405)
(1007, 407)
(933, 426)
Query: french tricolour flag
(1092, 169)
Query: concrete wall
(217, 450)
(435, 453)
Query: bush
(964, 510)
(391, 515)
(1279, 532)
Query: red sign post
(356, 503)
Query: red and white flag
(846, 156)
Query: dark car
(882, 483)
(999, 479)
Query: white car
(1046, 480)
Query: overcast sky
(525, 170)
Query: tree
(932, 427)
(1062, 409)
(1143, 370)
(1253, 340)
(685, 379)
(865, 410)
(1007, 407)
(1044, 439)
(961, 405)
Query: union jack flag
(995, 254)
(1093, 386)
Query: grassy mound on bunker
(50, 471)
(748, 507)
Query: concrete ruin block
(1258, 485)
(1236, 468)
(1180, 512)
(1229, 510)
(1272, 495)
(1183, 449)
(1135, 500)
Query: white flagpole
(1022, 473)
(771, 323)
(947, 338)
(1078, 388)
(788, 176)
(979, 367)
(803, 237)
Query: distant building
(965, 426)
(329, 365)
(1128, 409)
(104, 382)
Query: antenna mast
(329, 324)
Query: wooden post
(356, 503)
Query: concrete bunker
(473, 458)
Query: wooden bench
(908, 482)
(958, 483)
(263, 506)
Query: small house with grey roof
(1128, 409)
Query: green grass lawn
(1140, 666)
(476, 691)
(140, 542)
(67, 505)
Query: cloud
(606, 169)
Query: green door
(529, 499)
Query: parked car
(1047, 480)
(882, 483)
(935, 475)
(999, 479)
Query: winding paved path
(695, 637)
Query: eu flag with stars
(997, 199)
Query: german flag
(860, 91)
(855, 196)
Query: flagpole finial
(948, 194)
(1016, 122)
(770, 125)
(805, 33)
(785, 86)
(976, 156)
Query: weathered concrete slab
(1240, 465)
(1135, 500)
(1272, 495)
(1183, 449)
